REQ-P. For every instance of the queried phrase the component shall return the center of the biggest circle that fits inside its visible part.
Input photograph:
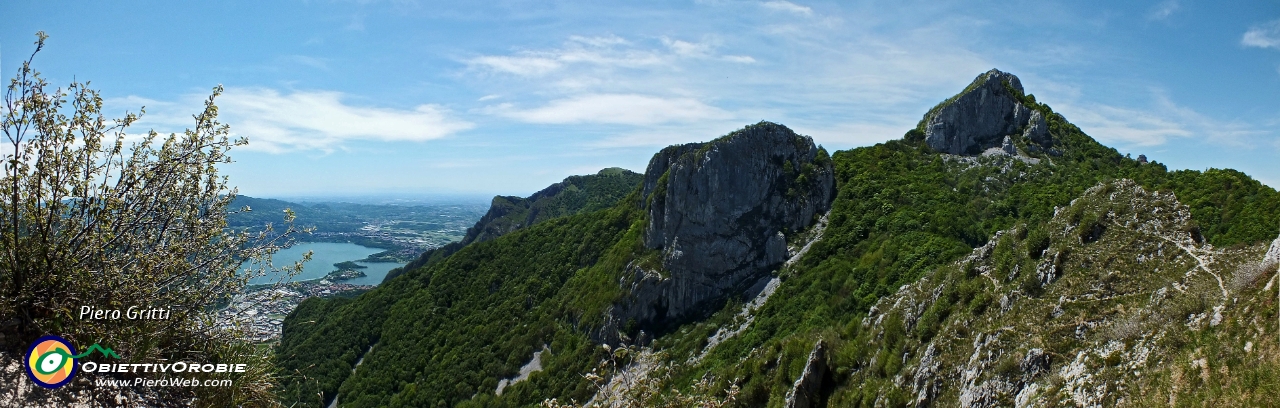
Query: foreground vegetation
(90, 220)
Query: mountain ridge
(447, 332)
(573, 195)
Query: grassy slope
(1124, 319)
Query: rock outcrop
(718, 215)
(981, 116)
(1037, 130)
(806, 391)
(1272, 258)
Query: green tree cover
(88, 220)
(574, 195)
(452, 329)
(348, 265)
(265, 211)
(901, 210)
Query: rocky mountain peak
(718, 215)
(980, 117)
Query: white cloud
(301, 120)
(1164, 10)
(687, 49)
(320, 120)
(531, 64)
(605, 52)
(1131, 127)
(833, 137)
(848, 135)
(602, 41)
(625, 109)
(519, 65)
(786, 6)
(658, 136)
(318, 63)
(1156, 125)
(861, 80)
(1263, 35)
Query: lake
(323, 256)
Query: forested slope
(574, 195)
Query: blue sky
(343, 98)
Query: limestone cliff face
(718, 215)
(981, 116)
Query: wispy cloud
(1161, 122)
(624, 109)
(703, 50)
(601, 52)
(687, 49)
(524, 65)
(866, 80)
(786, 6)
(1266, 35)
(1132, 127)
(356, 23)
(318, 63)
(321, 120)
(1164, 10)
(845, 135)
(278, 122)
(599, 41)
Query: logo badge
(51, 362)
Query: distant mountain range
(996, 255)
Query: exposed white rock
(982, 116)
(1272, 258)
(534, 365)
(804, 393)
